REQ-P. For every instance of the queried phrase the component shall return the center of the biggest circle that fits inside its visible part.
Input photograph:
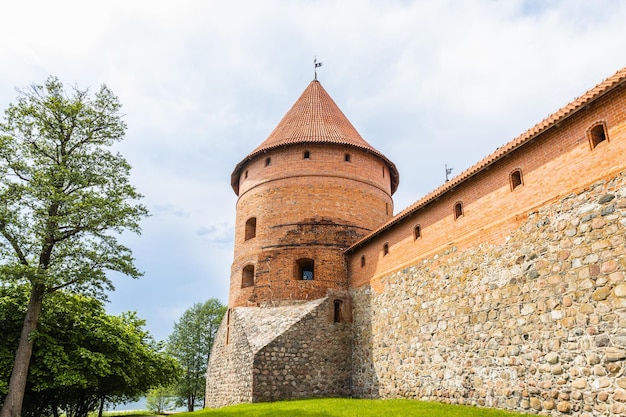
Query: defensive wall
(505, 287)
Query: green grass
(144, 413)
(340, 407)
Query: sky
(203, 82)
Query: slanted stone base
(277, 353)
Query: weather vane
(316, 65)
(448, 172)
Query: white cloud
(428, 83)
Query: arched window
(417, 232)
(362, 261)
(306, 155)
(337, 311)
(516, 179)
(306, 269)
(250, 228)
(597, 134)
(385, 249)
(346, 157)
(458, 210)
(247, 276)
(268, 161)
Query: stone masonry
(536, 324)
(276, 353)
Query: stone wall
(311, 359)
(229, 374)
(535, 324)
(278, 353)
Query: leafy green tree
(191, 342)
(160, 399)
(82, 357)
(64, 199)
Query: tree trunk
(101, 409)
(17, 384)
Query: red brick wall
(556, 163)
(305, 208)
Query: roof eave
(619, 79)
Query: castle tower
(309, 191)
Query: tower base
(263, 354)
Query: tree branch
(14, 244)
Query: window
(597, 134)
(516, 179)
(417, 232)
(245, 175)
(385, 249)
(306, 269)
(362, 261)
(307, 155)
(387, 208)
(383, 171)
(346, 157)
(250, 228)
(458, 210)
(337, 313)
(268, 161)
(228, 326)
(247, 276)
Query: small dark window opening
(597, 134)
(228, 326)
(245, 175)
(307, 155)
(247, 276)
(516, 179)
(458, 210)
(386, 208)
(250, 228)
(383, 172)
(337, 316)
(362, 261)
(417, 232)
(385, 249)
(306, 269)
(346, 157)
(268, 161)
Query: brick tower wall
(305, 208)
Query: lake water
(138, 405)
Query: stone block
(601, 294)
(614, 354)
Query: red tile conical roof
(315, 118)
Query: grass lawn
(341, 407)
